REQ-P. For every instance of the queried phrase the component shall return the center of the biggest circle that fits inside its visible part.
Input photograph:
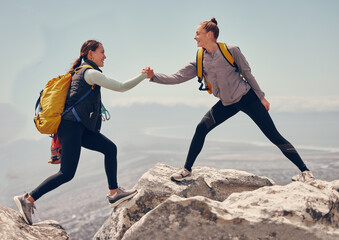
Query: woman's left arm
(245, 70)
(95, 77)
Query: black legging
(252, 106)
(73, 136)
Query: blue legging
(73, 136)
(252, 106)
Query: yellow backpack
(50, 105)
(201, 76)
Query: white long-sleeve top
(95, 77)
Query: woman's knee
(277, 139)
(66, 176)
(201, 129)
(111, 149)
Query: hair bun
(214, 21)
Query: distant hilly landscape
(147, 134)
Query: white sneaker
(25, 207)
(181, 175)
(305, 177)
(120, 196)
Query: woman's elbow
(122, 89)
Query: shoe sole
(122, 200)
(21, 211)
(182, 179)
(303, 181)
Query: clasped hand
(149, 71)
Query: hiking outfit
(81, 128)
(237, 90)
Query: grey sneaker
(181, 175)
(120, 196)
(305, 177)
(25, 208)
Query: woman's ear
(210, 35)
(90, 55)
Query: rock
(12, 226)
(154, 188)
(296, 211)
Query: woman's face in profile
(98, 56)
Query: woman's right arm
(95, 77)
(186, 73)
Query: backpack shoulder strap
(200, 73)
(227, 54)
(84, 66)
(76, 103)
(200, 55)
(79, 68)
(82, 97)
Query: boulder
(155, 187)
(12, 226)
(296, 211)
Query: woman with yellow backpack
(229, 79)
(80, 127)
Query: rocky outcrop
(225, 204)
(155, 189)
(12, 226)
(295, 212)
(215, 204)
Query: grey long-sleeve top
(227, 84)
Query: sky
(291, 46)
